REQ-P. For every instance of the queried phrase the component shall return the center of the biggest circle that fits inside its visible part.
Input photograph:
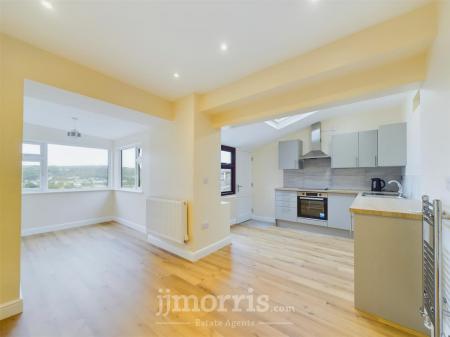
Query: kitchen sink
(383, 195)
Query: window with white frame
(75, 167)
(130, 167)
(32, 166)
(52, 167)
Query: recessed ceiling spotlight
(176, 75)
(223, 46)
(47, 4)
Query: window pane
(28, 148)
(225, 180)
(31, 175)
(225, 157)
(128, 168)
(74, 167)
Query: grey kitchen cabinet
(392, 145)
(339, 215)
(368, 148)
(344, 150)
(286, 205)
(286, 213)
(289, 153)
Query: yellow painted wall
(208, 210)
(185, 165)
(20, 61)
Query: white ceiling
(54, 108)
(144, 42)
(251, 136)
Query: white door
(243, 186)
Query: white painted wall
(40, 210)
(428, 169)
(435, 119)
(130, 206)
(412, 178)
(231, 200)
(265, 172)
(61, 209)
(45, 134)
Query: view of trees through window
(130, 167)
(68, 167)
(73, 167)
(31, 175)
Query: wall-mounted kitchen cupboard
(368, 148)
(392, 145)
(289, 153)
(344, 150)
(383, 147)
(356, 149)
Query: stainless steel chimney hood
(316, 144)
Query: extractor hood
(316, 144)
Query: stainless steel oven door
(312, 207)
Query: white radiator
(167, 219)
(446, 275)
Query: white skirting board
(67, 225)
(11, 308)
(130, 224)
(87, 222)
(187, 254)
(263, 218)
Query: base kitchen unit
(324, 208)
(388, 260)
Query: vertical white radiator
(446, 274)
(435, 267)
(168, 219)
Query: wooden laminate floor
(104, 280)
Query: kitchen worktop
(336, 191)
(387, 207)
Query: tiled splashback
(317, 173)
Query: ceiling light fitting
(47, 4)
(74, 133)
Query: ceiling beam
(361, 84)
(388, 41)
(25, 61)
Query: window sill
(129, 190)
(66, 191)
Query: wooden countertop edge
(389, 214)
(293, 189)
(397, 326)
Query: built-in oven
(312, 205)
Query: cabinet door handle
(376, 160)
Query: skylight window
(282, 122)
